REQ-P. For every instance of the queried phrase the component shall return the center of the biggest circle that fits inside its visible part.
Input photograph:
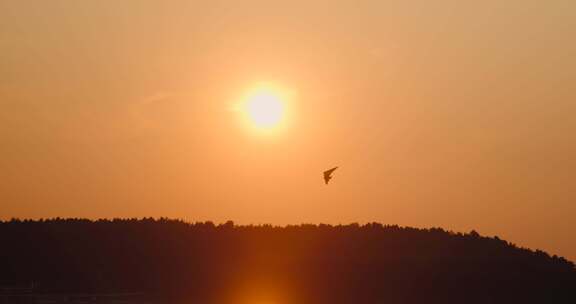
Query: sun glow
(265, 107)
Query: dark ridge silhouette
(172, 261)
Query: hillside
(175, 261)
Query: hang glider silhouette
(328, 175)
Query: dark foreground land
(175, 262)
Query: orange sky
(439, 113)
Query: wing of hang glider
(328, 175)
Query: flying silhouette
(328, 175)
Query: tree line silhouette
(177, 262)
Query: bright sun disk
(265, 108)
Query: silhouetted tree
(199, 262)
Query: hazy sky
(455, 114)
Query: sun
(265, 107)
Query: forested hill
(205, 263)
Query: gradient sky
(453, 113)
